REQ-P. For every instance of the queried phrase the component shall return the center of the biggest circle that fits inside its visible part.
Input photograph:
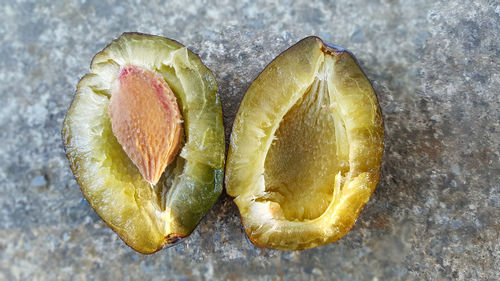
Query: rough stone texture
(435, 67)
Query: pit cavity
(306, 153)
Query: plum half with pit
(145, 139)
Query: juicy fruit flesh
(304, 158)
(146, 121)
(147, 217)
(305, 149)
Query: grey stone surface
(435, 66)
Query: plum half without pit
(306, 148)
(145, 139)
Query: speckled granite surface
(435, 67)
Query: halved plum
(168, 101)
(306, 148)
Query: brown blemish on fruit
(173, 238)
(330, 50)
(146, 120)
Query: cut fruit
(306, 148)
(147, 216)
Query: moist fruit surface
(153, 180)
(306, 148)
